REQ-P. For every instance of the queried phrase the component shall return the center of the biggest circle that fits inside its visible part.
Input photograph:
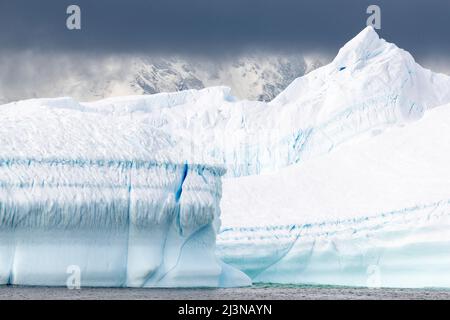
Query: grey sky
(217, 26)
(39, 57)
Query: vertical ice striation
(103, 193)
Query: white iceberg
(374, 207)
(343, 174)
(101, 192)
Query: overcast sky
(38, 52)
(215, 26)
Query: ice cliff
(103, 193)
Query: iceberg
(341, 179)
(366, 200)
(370, 85)
(102, 193)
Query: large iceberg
(342, 177)
(103, 193)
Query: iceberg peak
(362, 46)
(366, 36)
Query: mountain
(254, 76)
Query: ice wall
(101, 192)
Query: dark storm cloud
(215, 26)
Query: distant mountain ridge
(252, 76)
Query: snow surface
(384, 203)
(343, 172)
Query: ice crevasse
(342, 176)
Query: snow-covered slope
(379, 206)
(107, 194)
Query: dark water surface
(256, 292)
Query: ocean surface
(256, 292)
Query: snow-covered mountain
(254, 76)
(344, 171)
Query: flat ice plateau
(342, 179)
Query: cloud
(36, 74)
(217, 26)
(40, 57)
